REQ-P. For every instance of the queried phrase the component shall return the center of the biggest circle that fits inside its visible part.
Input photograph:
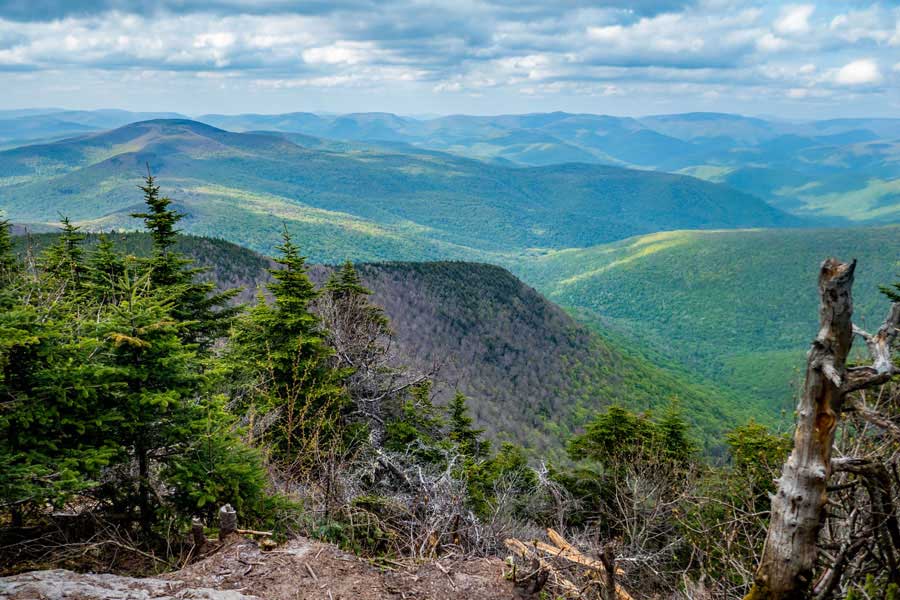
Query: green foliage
(280, 363)
(217, 467)
(204, 313)
(461, 431)
(418, 427)
(104, 393)
(757, 455)
(724, 304)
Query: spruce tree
(467, 438)
(157, 377)
(65, 258)
(345, 283)
(280, 363)
(105, 268)
(54, 420)
(9, 265)
(205, 313)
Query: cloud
(859, 72)
(714, 50)
(794, 19)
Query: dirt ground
(301, 569)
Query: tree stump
(227, 521)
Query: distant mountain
(18, 127)
(362, 204)
(532, 373)
(839, 169)
(739, 306)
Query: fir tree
(345, 282)
(65, 258)
(206, 315)
(105, 269)
(280, 362)
(9, 265)
(157, 378)
(467, 438)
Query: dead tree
(785, 569)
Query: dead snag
(785, 569)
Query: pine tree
(157, 378)
(65, 259)
(206, 315)
(280, 364)
(467, 438)
(9, 265)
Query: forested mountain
(839, 169)
(361, 205)
(532, 374)
(707, 297)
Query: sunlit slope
(739, 306)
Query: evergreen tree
(157, 379)
(673, 436)
(462, 433)
(280, 364)
(52, 418)
(65, 259)
(105, 269)
(206, 315)
(8, 263)
(345, 282)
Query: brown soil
(300, 569)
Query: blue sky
(793, 60)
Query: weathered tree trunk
(785, 569)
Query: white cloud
(771, 43)
(794, 19)
(348, 53)
(859, 72)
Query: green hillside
(838, 170)
(367, 205)
(738, 306)
(534, 375)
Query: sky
(624, 57)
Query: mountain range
(361, 204)
(842, 170)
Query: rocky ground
(300, 569)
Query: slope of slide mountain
(738, 306)
(532, 373)
(367, 205)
